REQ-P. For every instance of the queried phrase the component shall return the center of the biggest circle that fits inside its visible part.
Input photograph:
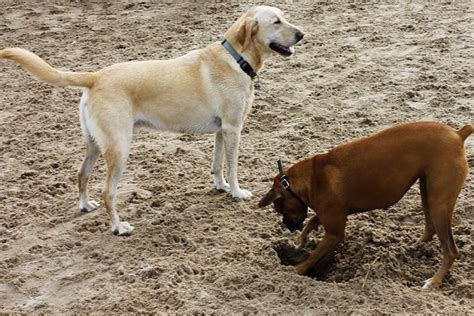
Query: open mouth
(282, 50)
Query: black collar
(286, 185)
(244, 65)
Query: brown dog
(372, 173)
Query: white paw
(124, 228)
(222, 186)
(427, 284)
(242, 194)
(89, 206)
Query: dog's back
(402, 142)
(376, 171)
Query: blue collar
(244, 65)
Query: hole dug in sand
(290, 255)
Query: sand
(360, 68)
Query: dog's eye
(277, 22)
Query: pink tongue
(290, 50)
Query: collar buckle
(284, 183)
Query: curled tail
(465, 131)
(44, 72)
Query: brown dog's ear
(247, 30)
(269, 198)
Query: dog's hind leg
(110, 123)
(116, 156)
(83, 177)
(429, 228)
(443, 188)
(93, 152)
(442, 214)
(217, 168)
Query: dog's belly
(380, 193)
(210, 125)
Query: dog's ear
(269, 198)
(247, 30)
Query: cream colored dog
(204, 91)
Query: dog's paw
(427, 284)
(89, 206)
(123, 229)
(242, 194)
(302, 268)
(222, 187)
(303, 242)
(431, 284)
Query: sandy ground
(360, 68)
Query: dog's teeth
(292, 50)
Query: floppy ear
(270, 197)
(247, 30)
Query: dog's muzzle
(287, 51)
(292, 225)
(299, 36)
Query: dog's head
(294, 212)
(265, 30)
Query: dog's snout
(292, 225)
(299, 35)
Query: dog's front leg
(325, 246)
(334, 234)
(231, 143)
(312, 224)
(217, 168)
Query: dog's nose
(299, 35)
(292, 225)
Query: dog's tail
(465, 131)
(41, 70)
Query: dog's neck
(299, 177)
(250, 54)
(244, 65)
